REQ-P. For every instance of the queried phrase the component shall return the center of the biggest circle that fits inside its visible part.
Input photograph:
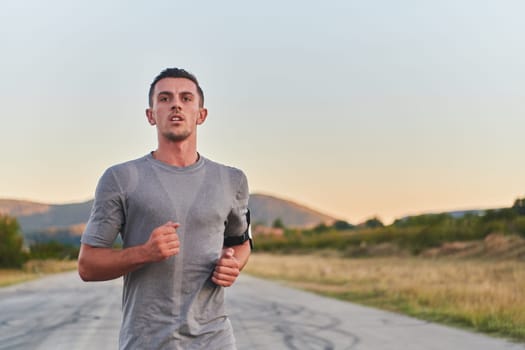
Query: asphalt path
(62, 312)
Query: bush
(11, 243)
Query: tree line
(13, 252)
(411, 234)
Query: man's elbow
(84, 269)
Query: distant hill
(20, 208)
(456, 214)
(63, 215)
(266, 209)
(65, 222)
(461, 213)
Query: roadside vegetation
(466, 271)
(485, 296)
(20, 263)
(409, 236)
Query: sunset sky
(354, 108)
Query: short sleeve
(107, 214)
(237, 229)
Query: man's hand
(227, 269)
(102, 264)
(163, 242)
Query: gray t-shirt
(172, 304)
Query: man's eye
(186, 99)
(163, 99)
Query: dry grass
(34, 269)
(484, 295)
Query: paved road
(61, 312)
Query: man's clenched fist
(227, 269)
(163, 242)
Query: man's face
(176, 111)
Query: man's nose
(175, 105)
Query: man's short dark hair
(175, 73)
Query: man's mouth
(176, 118)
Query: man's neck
(176, 156)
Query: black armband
(236, 240)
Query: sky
(353, 108)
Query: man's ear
(149, 116)
(203, 113)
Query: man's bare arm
(102, 264)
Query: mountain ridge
(41, 221)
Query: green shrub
(11, 243)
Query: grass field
(487, 296)
(34, 269)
